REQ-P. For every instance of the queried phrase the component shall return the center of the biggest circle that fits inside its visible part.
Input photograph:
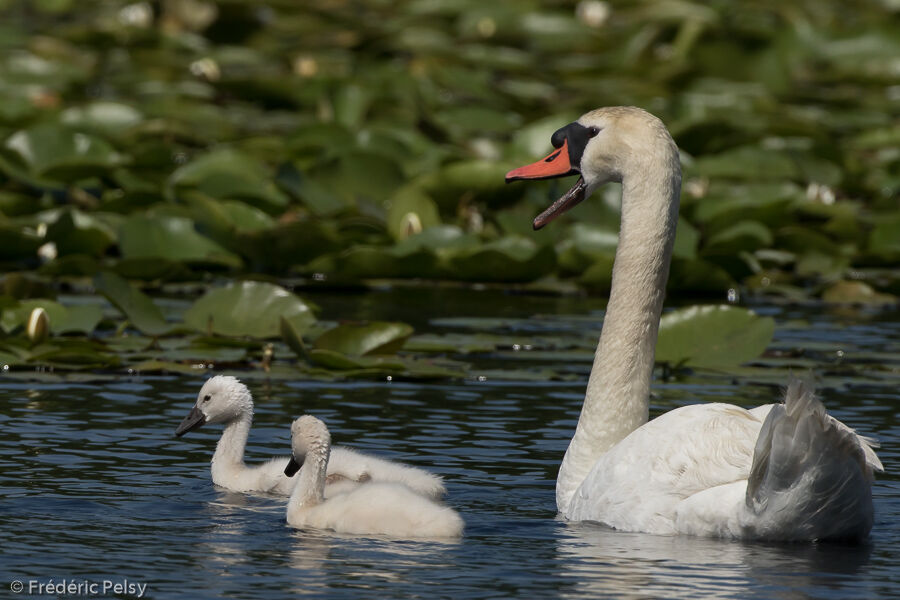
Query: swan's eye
(207, 398)
(592, 131)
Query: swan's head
(308, 435)
(600, 147)
(221, 400)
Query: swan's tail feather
(811, 475)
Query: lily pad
(292, 338)
(230, 174)
(885, 237)
(50, 150)
(135, 305)
(337, 360)
(165, 366)
(712, 336)
(511, 258)
(359, 339)
(172, 238)
(748, 163)
(248, 308)
(76, 232)
(742, 236)
(403, 260)
(72, 354)
(109, 118)
(410, 212)
(19, 243)
(63, 319)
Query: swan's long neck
(617, 398)
(229, 456)
(310, 488)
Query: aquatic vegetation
(232, 154)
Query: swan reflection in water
(314, 558)
(610, 563)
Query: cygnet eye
(592, 131)
(207, 398)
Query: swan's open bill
(224, 399)
(571, 141)
(782, 472)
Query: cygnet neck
(230, 449)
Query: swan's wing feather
(811, 474)
(638, 484)
(356, 465)
(868, 444)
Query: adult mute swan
(787, 471)
(224, 399)
(389, 509)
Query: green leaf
(586, 246)
(438, 239)
(712, 336)
(134, 304)
(358, 339)
(474, 180)
(742, 236)
(76, 232)
(18, 243)
(163, 366)
(172, 238)
(230, 174)
(885, 237)
(63, 319)
(249, 308)
(342, 362)
(72, 354)
(747, 162)
(410, 212)
(511, 258)
(287, 244)
(364, 261)
(109, 118)
(686, 239)
(57, 152)
(292, 338)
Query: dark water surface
(96, 487)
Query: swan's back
(356, 465)
(388, 509)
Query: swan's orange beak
(555, 165)
(558, 164)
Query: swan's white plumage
(230, 402)
(784, 471)
(687, 471)
(637, 485)
(386, 509)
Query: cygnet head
(222, 399)
(602, 146)
(308, 435)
